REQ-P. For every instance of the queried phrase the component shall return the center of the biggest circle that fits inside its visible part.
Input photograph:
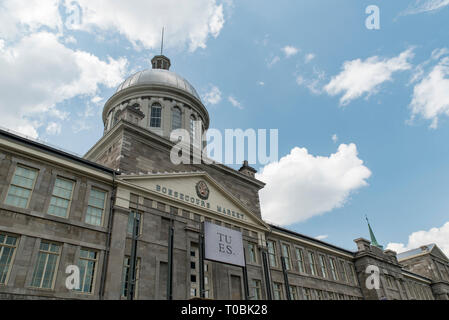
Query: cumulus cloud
(290, 51)
(359, 77)
(39, 72)
(301, 185)
(27, 16)
(309, 57)
(273, 61)
(431, 94)
(235, 102)
(322, 237)
(53, 128)
(213, 96)
(188, 23)
(421, 6)
(439, 236)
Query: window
(323, 266)
(293, 293)
(134, 217)
(333, 269)
(307, 294)
(21, 187)
(331, 295)
(256, 289)
(272, 253)
(193, 128)
(125, 281)
(352, 273)
(286, 256)
(176, 119)
(300, 261)
(95, 207)
(252, 253)
(156, 116)
(7, 250)
(344, 276)
(320, 295)
(312, 264)
(87, 263)
(277, 291)
(193, 278)
(61, 198)
(47, 265)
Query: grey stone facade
(131, 165)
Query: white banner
(223, 244)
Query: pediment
(196, 189)
(438, 253)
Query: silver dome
(160, 77)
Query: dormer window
(156, 116)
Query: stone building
(131, 220)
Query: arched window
(193, 127)
(176, 119)
(156, 116)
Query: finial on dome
(161, 61)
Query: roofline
(310, 239)
(54, 150)
(415, 275)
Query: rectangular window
(61, 198)
(320, 295)
(252, 253)
(323, 266)
(300, 261)
(293, 293)
(312, 263)
(256, 288)
(8, 246)
(95, 207)
(125, 281)
(134, 217)
(352, 273)
(277, 291)
(333, 265)
(47, 265)
(87, 263)
(272, 253)
(21, 187)
(344, 276)
(306, 293)
(156, 117)
(286, 255)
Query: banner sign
(223, 244)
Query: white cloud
(309, 57)
(315, 83)
(24, 16)
(273, 61)
(439, 236)
(290, 51)
(301, 185)
(431, 95)
(213, 96)
(322, 237)
(359, 78)
(53, 128)
(39, 72)
(188, 23)
(335, 138)
(235, 102)
(421, 6)
(261, 83)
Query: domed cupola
(164, 100)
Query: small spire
(161, 61)
(373, 237)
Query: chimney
(247, 170)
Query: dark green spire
(373, 237)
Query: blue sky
(284, 65)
